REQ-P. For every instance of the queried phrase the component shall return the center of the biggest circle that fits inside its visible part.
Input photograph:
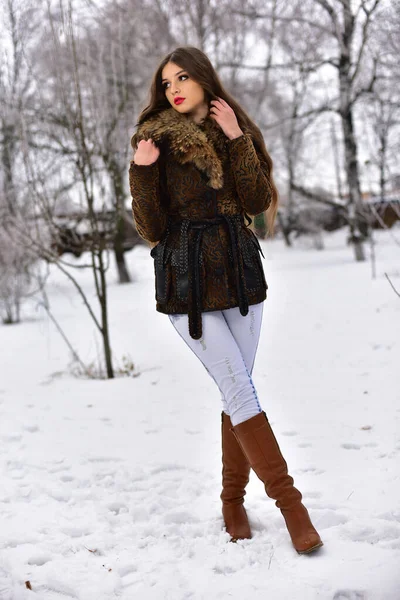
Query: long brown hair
(200, 69)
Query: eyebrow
(175, 74)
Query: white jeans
(227, 350)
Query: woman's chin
(179, 108)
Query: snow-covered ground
(110, 489)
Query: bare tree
(18, 24)
(384, 122)
(383, 106)
(345, 23)
(20, 269)
(118, 55)
(345, 46)
(291, 100)
(59, 126)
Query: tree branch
(317, 198)
(256, 15)
(364, 37)
(393, 288)
(369, 88)
(333, 16)
(313, 111)
(309, 69)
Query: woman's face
(178, 85)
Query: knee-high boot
(263, 453)
(235, 477)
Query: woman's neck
(200, 115)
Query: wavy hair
(201, 70)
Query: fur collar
(204, 145)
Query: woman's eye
(166, 84)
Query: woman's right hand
(147, 153)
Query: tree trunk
(123, 273)
(336, 159)
(104, 319)
(8, 159)
(289, 212)
(357, 226)
(285, 230)
(119, 238)
(382, 163)
(358, 223)
(291, 162)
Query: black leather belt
(188, 270)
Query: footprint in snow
(39, 559)
(124, 571)
(63, 592)
(75, 532)
(167, 468)
(104, 459)
(315, 495)
(12, 437)
(15, 465)
(17, 474)
(326, 518)
(223, 570)
(380, 533)
(289, 433)
(351, 446)
(59, 496)
(392, 516)
(349, 595)
(31, 428)
(304, 445)
(179, 517)
(117, 508)
(58, 468)
(310, 470)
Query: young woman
(200, 166)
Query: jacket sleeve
(149, 214)
(251, 173)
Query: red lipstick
(178, 100)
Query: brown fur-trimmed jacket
(200, 176)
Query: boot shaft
(235, 466)
(262, 451)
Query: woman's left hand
(225, 117)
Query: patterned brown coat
(199, 175)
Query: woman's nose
(175, 89)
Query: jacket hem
(183, 309)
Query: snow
(110, 489)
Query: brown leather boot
(235, 477)
(261, 448)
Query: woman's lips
(179, 100)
